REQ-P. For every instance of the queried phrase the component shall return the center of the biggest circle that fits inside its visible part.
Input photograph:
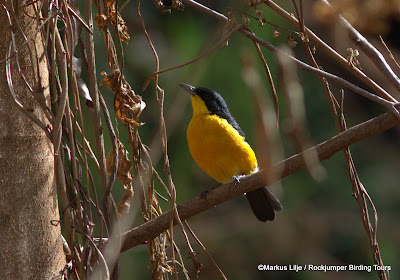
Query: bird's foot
(204, 193)
(236, 179)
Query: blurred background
(320, 223)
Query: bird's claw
(236, 179)
(204, 193)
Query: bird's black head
(213, 100)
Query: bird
(219, 147)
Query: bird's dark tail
(264, 204)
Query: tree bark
(30, 245)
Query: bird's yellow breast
(217, 147)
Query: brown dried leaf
(253, 3)
(303, 37)
(125, 204)
(166, 9)
(127, 105)
(352, 58)
(123, 175)
(109, 80)
(292, 43)
(102, 21)
(178, 5)
(261, 22)
(275, 32)
(111, 15)
(124, 165)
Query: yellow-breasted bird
(220, 148)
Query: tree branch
(389, 105)
(216, 196)
(331, 52)
(374, 55)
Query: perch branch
(324, 150)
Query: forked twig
(330, 51)
(373, 54)
(362, 197)
(389, 105)
(209, 51)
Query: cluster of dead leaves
(112, 15)
(127, 105)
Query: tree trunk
(30, 244)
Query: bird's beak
(190, 89)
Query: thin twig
(160, 102)
(330, 51)
(271, 82)
(99, 254)
(205, 251)
(374, 55)
(109, 206)
(19, 104)
(209, 51)
(62, 60)
(11, 87)
(110, 128)
(79, 18)
(362, 197)
(388, 50)
(390, 106)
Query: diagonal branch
(376, 57)
(324, 150)
(331, 52)
(389, 105)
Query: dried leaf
(124, 165)
(123, 175)
(125, 204)
(102, 21)
(178, 5)
(253, 3)
(111, 15)
(275, 32)
(261, 22)
(303, 37)
(292, 43)
(352, 58)
(127, 105)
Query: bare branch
(331, 52)
(376, 57)
(325, 150)
(390, 106)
